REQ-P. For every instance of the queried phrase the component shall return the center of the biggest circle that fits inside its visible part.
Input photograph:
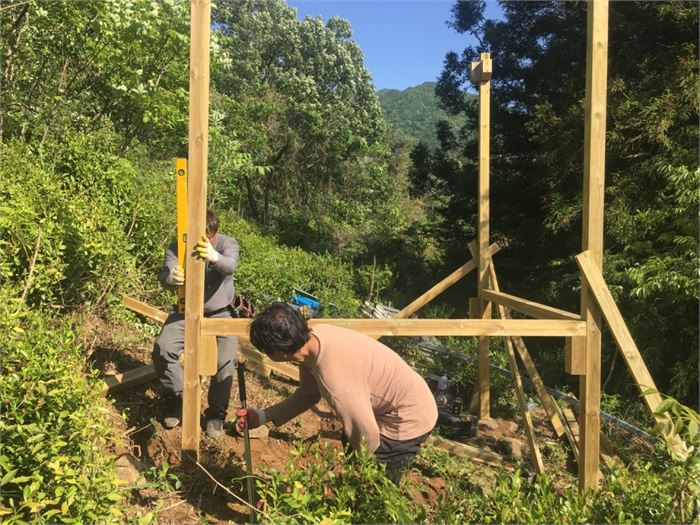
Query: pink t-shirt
(367, 384)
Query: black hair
(212, 223)
(279, 328)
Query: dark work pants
(167, 349)
(396, 455)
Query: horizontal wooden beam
(415, 327)
(530, 308)
(120, 382)
(144, 309)
(264, 364)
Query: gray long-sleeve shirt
(218, 278)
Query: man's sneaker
(173, 411)
(215, 429)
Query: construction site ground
(149, 461)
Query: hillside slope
(415, 111)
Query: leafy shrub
(662, 488)
(52, 462)
(73, 228)
(515, 501)
(270, 272)
(333, 488)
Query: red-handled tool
(242, 413)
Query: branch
(30, 277)
(231, 493)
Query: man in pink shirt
(381, 401)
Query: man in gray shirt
(221, 255)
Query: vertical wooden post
(475, 312)
(196, 206)
(592, 238)
(481, 74)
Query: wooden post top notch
(480, 71)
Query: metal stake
(246, 441)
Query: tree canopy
(538, 88)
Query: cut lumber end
(120, 382)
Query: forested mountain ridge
(415, 112)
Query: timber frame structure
(581, 332)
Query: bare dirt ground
(152, 453)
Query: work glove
(176, 277)
(250, 417)
(206, 251)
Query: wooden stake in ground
(519, 390)
(553, 412)
(196, 211)
(481, 74)
(592, 236)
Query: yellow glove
(176, 276)
(206, 251)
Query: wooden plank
(481, 385)
(575, 356)
(471, 452)
(198, 143)
(263, 362)
(131, 378)
(606, 447)
(483, 228)
(547, 402)
(596, 284)
(522, 401)
(573, 439)
(530, 308)
(573, 423)
(144, 309)
(415, 327)
(519, 390)
(181, 199)
(550, 406)
(592, 234)
(483, 381)
(443, 285)
(208, 356)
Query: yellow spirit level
(181, 177)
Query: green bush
(72, 228)
(270, 272)
(331, 487)
(661, 488)
(53, 466)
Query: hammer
(242, 412)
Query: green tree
(538, 90)
(79, 65)
(297, 96)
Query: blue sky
(404, 41)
